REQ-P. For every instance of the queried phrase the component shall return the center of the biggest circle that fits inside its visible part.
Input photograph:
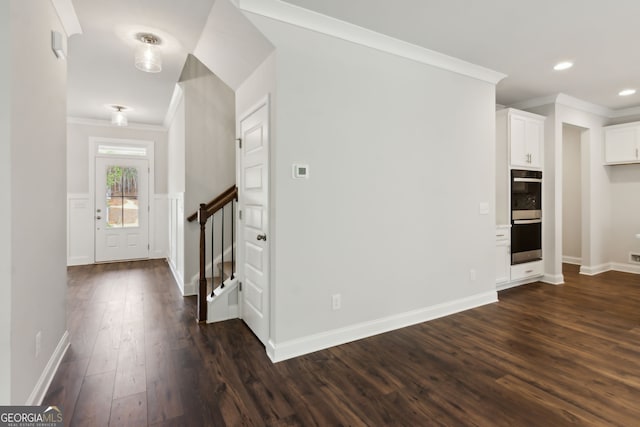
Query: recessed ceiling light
(627, 92)
(565, 65)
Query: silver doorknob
(262, 237)
(98, 217)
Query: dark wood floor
(543, 356)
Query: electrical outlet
(335, 302)
(38, 343)
(472, 274)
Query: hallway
(544, 355)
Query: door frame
(94, 142)
(265, 101)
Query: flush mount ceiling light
(148, 53)
(564, 65)
(627, 92)
(118, 115)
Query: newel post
(202, 289)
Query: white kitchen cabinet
(527, 270)
(622, 144)
(519, 145)
(503, 255)
(526, 137)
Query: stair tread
(227, 268)
(216, 283)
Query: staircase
(217, 296)
(222, 301)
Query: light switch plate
(484, 208)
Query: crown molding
(107, 123)
(578, 104)
(68, 17)
(626, 112)
(304, 18)
(535, 102)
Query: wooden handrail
(216, 204)
(204, 212)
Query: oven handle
(527, 180)
(527, 221)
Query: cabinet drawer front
(503, 234)
(529, 269)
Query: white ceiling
(100, 64)
(521, 39)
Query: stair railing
(206, 211)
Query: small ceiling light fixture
(564, 65)
(148, 53)
(118, 116)
(627, 92)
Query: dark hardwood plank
(130, 411)
(543, 355)
(94, 401)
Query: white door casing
(121, 229)
(253, 238)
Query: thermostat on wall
(301, 171)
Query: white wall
(37, 194)
(80, 217)
(596, 205)
(176, 185)
(209, 111)
(596, 214)
(571, 194)
(78, 152)
(230, 46)
(401, 155)
(5, 214)
(625, 214)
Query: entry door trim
(94, 142)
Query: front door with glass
(122, 209)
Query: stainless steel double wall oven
(526, 216)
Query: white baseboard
(79, 260)
(278, 352)
(40, 390)
(625, 268)
(553, 279)
(571, 260)
(596, 269)
(186, 289)
(158, 254)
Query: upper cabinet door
(526, 141)
(534, 135)
(518, 141)
(621, 145)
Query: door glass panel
(130, 211)
(122, 196)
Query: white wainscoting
(175, 249)
(79, 229)
(159, 232)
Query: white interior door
(254, 226)
(122, 209)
